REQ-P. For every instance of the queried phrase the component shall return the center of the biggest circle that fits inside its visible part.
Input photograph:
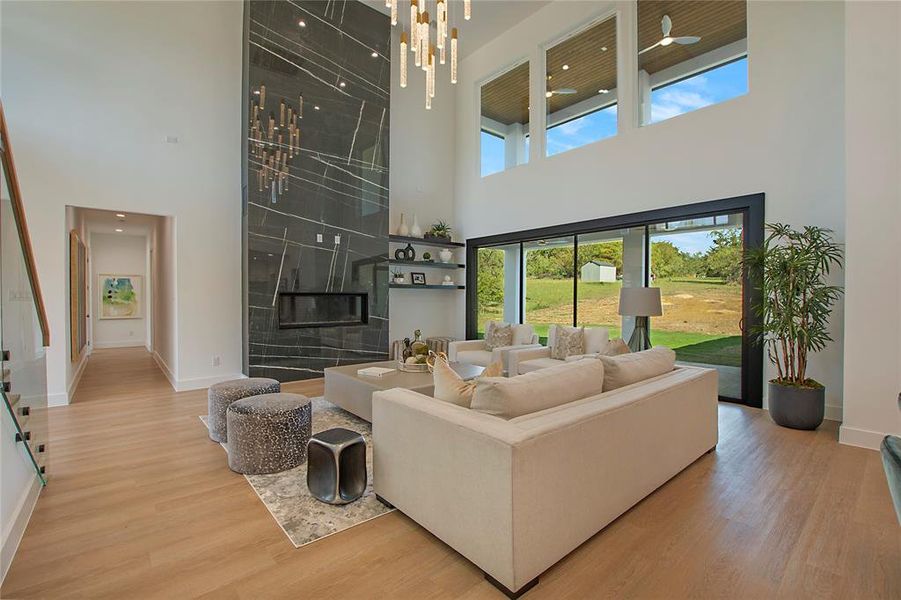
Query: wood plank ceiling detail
(717, 23)
(506, 98)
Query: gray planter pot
(796, 407)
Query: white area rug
(303, 518)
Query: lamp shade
(640, 302)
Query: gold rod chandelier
(428, 51)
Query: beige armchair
(476, 352)
(523, 360)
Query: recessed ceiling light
(603, 48)
(118, 231)
(120, 215)
(316, 107)
(603, 91)
(548, 94)
(566, 67)
(374, 54)
(270, 254)
(256, 92)
(302, 23)
(342, 84)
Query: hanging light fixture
(403, 59)
(426, 54)
(272, 145)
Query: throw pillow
(626, 369)
(450, 387)
(568, 341)
(510, 397)
(596, 339)
(498, 335)
(616, 347)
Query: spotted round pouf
(268, 433)
(221, 395)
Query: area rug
(303, 518)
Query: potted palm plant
(791, 270)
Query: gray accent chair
(268, 433)
(221, 395)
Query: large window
(504, 113)
(692, 54)
(549, 283)
(573, 275)
(581, 88)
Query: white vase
(445, 255)
(415, 230)
(402, 229)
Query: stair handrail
(15, 195)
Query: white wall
(873, 187)
(117, 254)
(91, 92)
(164, 275)
(421, 180)
(784, 138)
(74, 369)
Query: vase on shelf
(402, 228)
(445, 255)
(415, 230)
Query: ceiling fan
(560, 92)
(667, 25)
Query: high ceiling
(490, 18)
(506, 99)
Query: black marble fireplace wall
(328, 231)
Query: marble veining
(337, 182)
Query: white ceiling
(106, 221)
(490, 18)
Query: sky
(690, 94)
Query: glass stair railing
(23, 326)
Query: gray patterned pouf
(221, 395)
(268, 433)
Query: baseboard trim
(20, 521)
(60, 399)
(862, 438)
(833, 413)
(79, 371)
(121, 344)
(165, 369)
(199, 383)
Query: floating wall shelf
(426, 264)
(410, 286)
(434, 242)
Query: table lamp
(641, 303)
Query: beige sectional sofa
(515, 496)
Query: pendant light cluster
(274, 140)
(428, 51)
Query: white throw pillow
(522, 334)
(626, 369)
(450, 387)
(596, 339)
(545, 388)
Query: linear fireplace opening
(322, 309)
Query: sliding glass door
(572, 275)
(696, 263)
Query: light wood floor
(141, 504)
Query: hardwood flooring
(141, 504)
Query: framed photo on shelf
(417, 278)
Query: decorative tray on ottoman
(412, 368)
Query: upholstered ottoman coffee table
(221, 395)
(268, 433)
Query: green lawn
(700, 320)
